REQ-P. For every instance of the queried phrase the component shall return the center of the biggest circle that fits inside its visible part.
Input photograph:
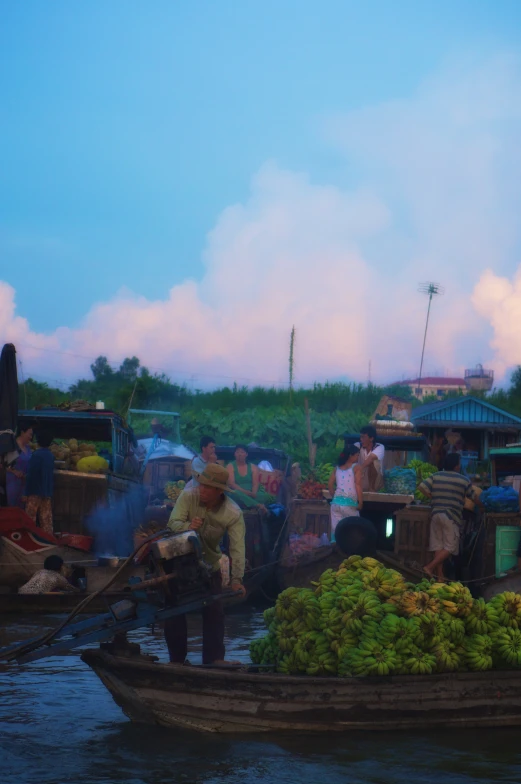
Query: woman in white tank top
(345, 485)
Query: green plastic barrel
(507, 542)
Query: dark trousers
(176, 633)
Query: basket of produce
(315, 482)
(365, 620)
(400, 481)
(392, 427)
(500, 499)
(311, 489)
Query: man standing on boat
(371, 460)
(448, 490)
(206, 509)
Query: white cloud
(438, 198)
(499, 300)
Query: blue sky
(129, 127)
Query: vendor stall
(76, 492)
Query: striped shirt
(448, 490)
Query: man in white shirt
(371, 460)
(207, 456)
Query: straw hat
(214, 475)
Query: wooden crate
(76, 495)
(412, 533)
(310, 517)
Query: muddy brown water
(59, 724)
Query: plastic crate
(507, 542)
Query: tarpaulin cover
(8, 399)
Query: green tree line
(271, 417)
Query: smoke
(113, 526)
(427, 188)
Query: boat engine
(176, 570)
(178, 581)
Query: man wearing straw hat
(206, 509)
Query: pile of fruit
(77, 456)
(365, 619)
(423, 471)
(316, 481)
(310, 488)
(174, 489)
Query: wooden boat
(56, 602)
(313, 517)
(24, 548)
(241, 701)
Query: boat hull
(225, 701)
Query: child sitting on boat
(50, 578)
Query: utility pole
(291, 362)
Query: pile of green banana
(321, 473)
(364, 619)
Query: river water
(59, 724)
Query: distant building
(476, 379)
(434, 385)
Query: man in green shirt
(206, 509)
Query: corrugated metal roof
(468, 411)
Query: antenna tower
(431, 290)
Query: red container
(78, 541)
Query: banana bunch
(478, 652)
(174, 489)
(418, 662)
(306, 610)
(286, 636)
(455, 599)
(447, 655)
(430, 630)
(507, 643)
(314, 655)
(366, 607)
(397, 633)
(284, 607)
(508, 608)
(482, 619)
(372, 658)
(264, 650)
(365, 620)
(416, 603)
(386, 582)
(454, 628)
(288, 665)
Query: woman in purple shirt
(17, 474)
